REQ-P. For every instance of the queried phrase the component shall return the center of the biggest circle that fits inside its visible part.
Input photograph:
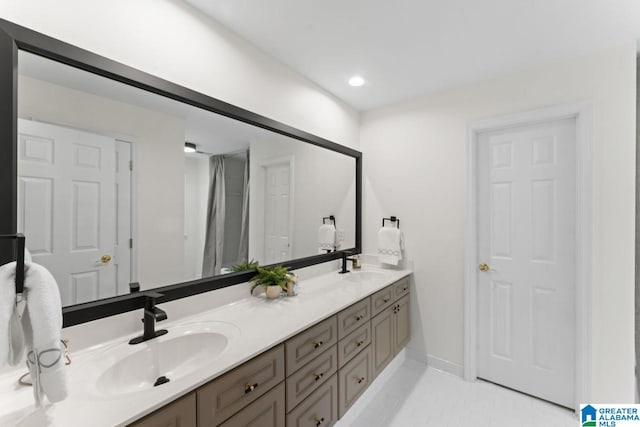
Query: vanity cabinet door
(181, 413)
(353, 317)
(315, 373)
(320, 409)
(353, 380)
(382, 299)
(310, 343)
(226, 395)
(382, 337)
(353, 343)
(267, 411)
(401, 327)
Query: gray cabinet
(390, 329)
(401, 325)
(382, 299)
(320, 409)
(310, 343)
(353, 380)
(353, 317)
(382, 339)
(353, 343)
(181, 413)
(315, 373)
(267, 411)
(226, 395)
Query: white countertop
(259, 324)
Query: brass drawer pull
(359, 343)
(359, 380)
(318, 421)
(359, 318)
(248, 388)
(318, 376)
(386, 300)
(404, 289)
(317, 344)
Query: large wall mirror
(119, 181)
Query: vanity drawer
(319, 409)
(267, 411)
(181, 413)
(382, 299)
(310, 343)
(226, 395)
(353, 343)
(353, 380)
(352, 317)
(401, 288)
(308, 378)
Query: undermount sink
(184, 350)
(365, 276)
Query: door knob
(105, 259)
(483, 267)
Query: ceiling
(212, 133)
(405, 48)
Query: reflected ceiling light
(189, 147)
(356, 81)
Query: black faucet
(344, 262)
(151, 315)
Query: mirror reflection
(119, 185)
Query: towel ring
(330, 218)
(392, 219)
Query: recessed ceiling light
(189, 147)
(356, 81)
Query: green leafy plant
(245, 265)
(274, 276)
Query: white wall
(196, 194)
(170, 39)
(414, 167)
(324, 184)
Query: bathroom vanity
(294, 361)
(311, 379)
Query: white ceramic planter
(273, 291)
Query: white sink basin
(123, 369)
(365, 276)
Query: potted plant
(273, 280)
(245, 265)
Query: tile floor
(415, 395)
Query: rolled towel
(11, 311)
(42, 326)
(327, 237)
(390, 245)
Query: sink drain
(161, 380)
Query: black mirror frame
(14, 37)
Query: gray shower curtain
(214, 236)
(243, 250)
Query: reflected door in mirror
(277, 213)
(68, 193)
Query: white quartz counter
(259, 324)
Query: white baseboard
(444, 365)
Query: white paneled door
(67, 208)
(526, 259)
(277, 221)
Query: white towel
(42, 325)
(11, 311)
(327, 237)
(390, 245)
